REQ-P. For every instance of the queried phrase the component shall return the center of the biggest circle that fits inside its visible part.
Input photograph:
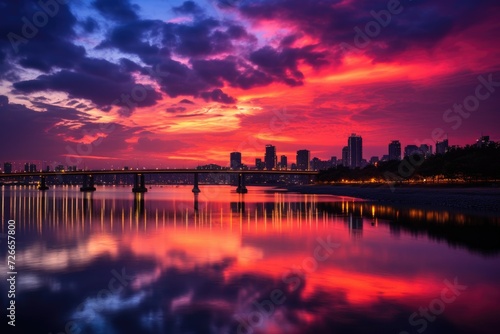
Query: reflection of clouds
(39, 257)
(28, 281)
(94, 313)
(187, 249)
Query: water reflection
(207, 264)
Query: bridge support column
(139, 184)
(88, 183)
(43, 185)
(196, 190)
(242, 189)
(196, 202)
(139, 203)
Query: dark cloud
(36, 134)
(176, 109)
(189, 7)
(89, 25)
(420, 24)
(283, 64)
(135, 37)
(186, 101)
(117, 10)
(201, 39)
(235, 71)
(102, 88)
(40, 47)
(218, 95)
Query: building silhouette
(7, 167)
(303, 157)
(235, 160)
(259, 164)
(29, 167)
(395, 150)
(345, 156)
(483, 141)
(270, 158)
(283, 162)
(426, 150)
(411, 149)
(355, 151)
(442, 146)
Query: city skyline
(304, 160)
(102, 83)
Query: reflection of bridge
(139, 180)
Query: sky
(175, 84)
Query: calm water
(264, 262)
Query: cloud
(97, 80)
(90, 25)
(4, 101)
(117, 10)
(188, 7)
(176, 109)
(218, 95)
(145, 144)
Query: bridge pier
(139, 203)
(43, 186)
(242, 189)
(196, 202)
(139, 184)
(196, 190)
(88, 183)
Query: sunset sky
(157, 83)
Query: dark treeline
(469, 164)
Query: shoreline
(484, 200)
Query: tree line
(464, 164)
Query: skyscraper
(395, 150)
(7, 168)
(284, 162)
(411, 150)
(442, 146)
(303, 158)
(355, 151)
(426, 150)
(270, 158)
(259, 164)
(345, 156)
(235, 160)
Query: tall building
(345, 156)
(303, 157)
(235, 160)
(333, 161)
(483, 141)
(32, 168)
(355, 151)
(284, 162)
(426, 150)
(411, 149)
(270, 158)
(27, 167)
(259, 164)
(442, 146)
(395, 150)
(7, 168)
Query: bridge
(139, 176)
